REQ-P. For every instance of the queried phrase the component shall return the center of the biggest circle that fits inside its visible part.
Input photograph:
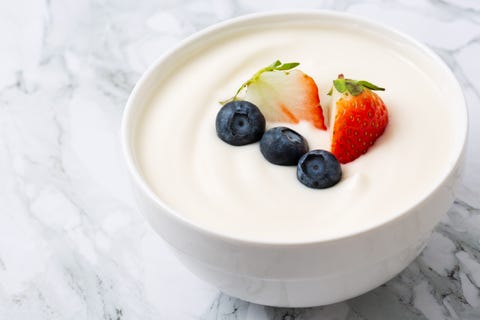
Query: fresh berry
(360, 117)
(284, 95)
(319, 169)
(239, 123)
(283, 146)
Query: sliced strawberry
(359, 116)
(285, 95)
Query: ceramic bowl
(296, 274)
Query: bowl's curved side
(292, 274)
(305, 275)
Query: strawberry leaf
(340, 85)
(287, 66)
(370, 85)
(275, 64)
(353, 87)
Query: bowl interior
(167, 65)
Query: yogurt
(235, 191)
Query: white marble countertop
(73, 246)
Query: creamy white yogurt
(235, 191)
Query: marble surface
(73, 246)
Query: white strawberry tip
(283, 94)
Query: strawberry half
(359, 116)
(284, 95)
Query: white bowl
(296, 274)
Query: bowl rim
(134, 171)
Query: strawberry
(284, 95)
(359, 116)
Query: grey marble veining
(73, 246)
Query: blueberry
(239, 123)
(319, 169)
(283, 146)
